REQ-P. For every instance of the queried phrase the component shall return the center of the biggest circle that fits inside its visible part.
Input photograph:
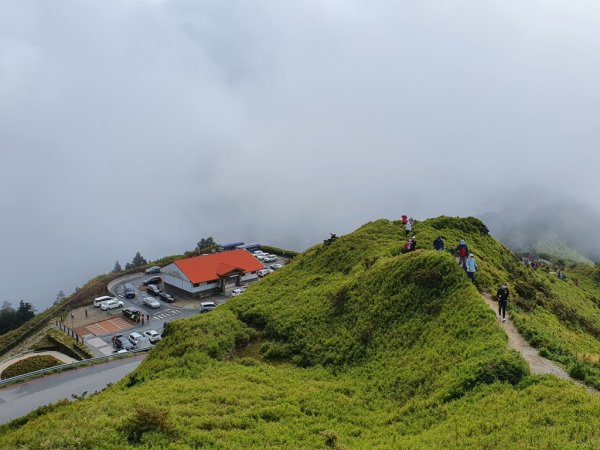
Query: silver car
(151, 302)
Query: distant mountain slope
(523, 219)
(352, 345)
(552, 246)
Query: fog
(147, 125)
(522, 217)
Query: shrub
(30, 365)
(147, 419)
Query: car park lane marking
(166, 313)
(108, 326)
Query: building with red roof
(211, 273)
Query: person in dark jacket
(438, 244)
(502, 295)
(462, 251)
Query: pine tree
(138, 260)
(117, 268)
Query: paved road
(23, 398)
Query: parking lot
(98, 326)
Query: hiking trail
(538, 364)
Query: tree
(138, 260)
(205, 243)
(25, 312)
(117, 268)
(11, 318)
(60, 296)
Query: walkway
(538, 364)
(60, 356)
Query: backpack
(462, 250)
(407, 245)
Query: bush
(147, 419)
(30, 365)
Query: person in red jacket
(462, 251)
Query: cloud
(146, 125)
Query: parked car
(263, 272)
(152, 335)
(133, 337)
(151, 270)
(276, 266)
(129, 290)
(110, 304)
(151, 302)
(131, 313)
(207, 306)
(270, 258)
(120, 342)
(143, 343)
(99, 300)
(237, 292)
(153, 289)
(152, 280)
(258, 252)
(166, 297)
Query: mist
(522, 217)
(145, 125)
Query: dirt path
(538, 364)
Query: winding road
(21, 399)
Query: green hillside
(356, 345)
(551, 246)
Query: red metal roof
(200, 269)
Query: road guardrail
(74, 365)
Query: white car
(237, 292)
(134, 337)
(151, 302)
(276, 266)
(270, 258)
(110, 304)
(258, 253)
(207, 306)
(263, 272)
(152, 335)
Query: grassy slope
(354, 345)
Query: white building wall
(249, 276)
(175, 277)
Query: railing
(42, 319)
(69, 331)
(69, 366)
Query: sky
(145, 125)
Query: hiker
(438, 244)
(148, 317)
(413, 244)
(404, 219)
(471, 267)
(408, 227)
(462, 250)
(142, 319)
(502, 295)
(407, 246)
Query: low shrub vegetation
(30, 365)
(353, 345)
